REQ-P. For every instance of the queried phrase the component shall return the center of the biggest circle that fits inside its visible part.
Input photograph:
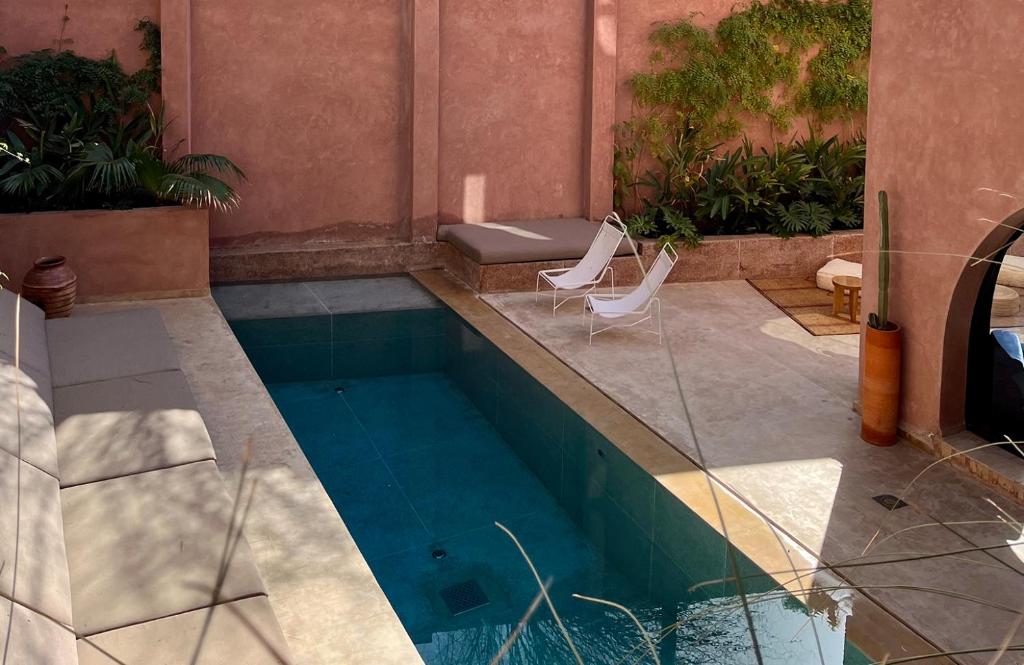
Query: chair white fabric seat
(642, 302)
(592, 269)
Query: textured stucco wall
(511, 109)
(945, 140)
(95, 28)
(308, 98)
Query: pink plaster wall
(945, 122)
(308, 98)
(511, 109)
(96, 27)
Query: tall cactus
(880, 320)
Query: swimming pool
(425, 434)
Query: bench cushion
(1012, 272)
(32, 540)
(33, 637)
(519, 242)
(117, 427)
(245, 631)
(32, 341)
(108, 346)
(27, 432)
(835, 268)
(147, 546)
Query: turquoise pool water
(424, 435)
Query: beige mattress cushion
(1005, 301)
(521, 242)
(148, 546)
(113, 428)
(1012, 272)
(27, 637)
(32, 540)
(834, 268)
(245, 631)
(107, 346)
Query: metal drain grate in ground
(890, 502)
(463, 597)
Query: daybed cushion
(113, 428)
(1012, 272)
(28, 434)
(34, 639)
(245, 631)
(518, 242)
(33, 332)
(834, 268)
(108, 346)
(147, 546)
(1005, 301)
(32, 540)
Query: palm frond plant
(91, 139)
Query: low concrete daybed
(113, 515)
(501, 256)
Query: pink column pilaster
(176, 77)
(599, 151)
(425, 83)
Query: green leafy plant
(89, 138)
(665, 197)
(807, 186)
(750, 65)
(880, 320)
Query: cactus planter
(880, 381)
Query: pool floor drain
(464, 597)
(439, 554)
(339, 389)
(890, 502)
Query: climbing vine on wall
(750, 64)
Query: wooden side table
(846, 286)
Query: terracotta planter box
(117, 254)
(758, 256)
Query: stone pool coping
(326, 599)
(871, 628)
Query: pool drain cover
(463, 597)
(890, 502)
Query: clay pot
(880, 387)
(52, 285)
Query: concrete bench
(113, 515)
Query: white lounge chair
(592, 268)
(642, 302)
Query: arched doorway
(991, 402)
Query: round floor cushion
(1012, 272)
(835, 268)
(1005, 301)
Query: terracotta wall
(511, 110)
(371, 120)
(945, 134)
(95, 28)
(308, 97)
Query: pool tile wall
(651, 536)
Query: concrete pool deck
(771, 406)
